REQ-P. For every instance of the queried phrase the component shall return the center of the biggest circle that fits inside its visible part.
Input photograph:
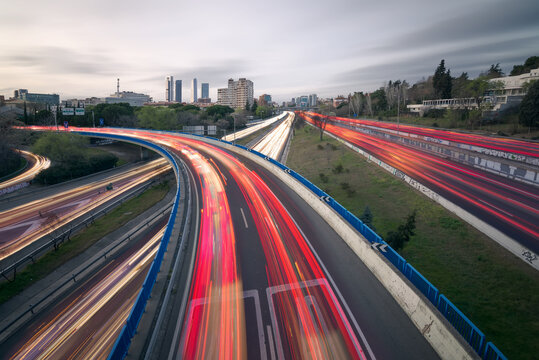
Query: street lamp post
(398, 107)
(234, 117)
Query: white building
(237, 94)
(510, 94)
(513, 90)
(132, 98)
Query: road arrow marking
(325, 198)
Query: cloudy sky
(287, 47)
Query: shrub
(338, 169)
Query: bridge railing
(459, 321)
(119, 350)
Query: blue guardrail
(119, 350)
(460, 322)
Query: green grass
(83, 240)
(497, 291)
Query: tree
(25, 114)
(247, 106)
(494, 72)
(254, 107)
(379, 100)
(367, 217)
(529, 107)
(403, 234)
(368, 104)
(320, 122)
(530, 64)
(61, 147)
(219, 111)
(458, 88)
(442, 81)
(263, 111)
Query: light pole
(398, 107)
(234, 117)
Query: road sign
(101, 122)
(325, 198)
(68, 111)
(79, 111)
(66, 124)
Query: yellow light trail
(58, 338)
(40, 163)
(34, 209)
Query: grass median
(497, 291)
(83, 240)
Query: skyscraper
(178, 91)
(205, 90)
(194, 96)
(169, 93)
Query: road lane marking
(215, 299)
(337, 291)
(244, 219)
(270, 342)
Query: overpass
(274, 268)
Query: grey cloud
(58, 60)
(472, 59)
(216, 74)
(500, 18)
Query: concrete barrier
(513, 166)
(433, 326)
(523, 253)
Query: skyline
(289, 49)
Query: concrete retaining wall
(432, 325)
(510, 244)
(513, 166)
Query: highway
(270, 279)
(24, 224)
(274, 142)
(37, 163)
(87, 322)
(252, 129)
(509, 145)
(509, 206)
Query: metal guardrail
(123, 341)
(459, 321)
(73, 226)
(74, 276)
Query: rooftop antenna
(118, 87)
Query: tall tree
(367, 218)
(379, 100)
(531, 63)
(495, 71)
(458, 89)
(320, 122)
(441, 81)
(529, 107)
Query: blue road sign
(66, 124)
(101, 122)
